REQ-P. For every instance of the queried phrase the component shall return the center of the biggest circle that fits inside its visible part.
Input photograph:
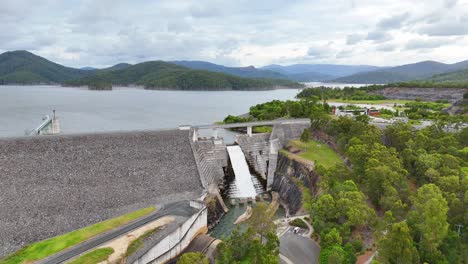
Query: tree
(331, 238)
(429, 218)
(262, 219)
(305, 136)
(397, 246)
(248, 247)
(333, 255)
(258, 244)
(319, 118)
(193, 258)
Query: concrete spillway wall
(175, 243)
(257, 151)
(210, 156)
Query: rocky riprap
(55, 184)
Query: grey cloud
(426, 43)
(386, 47)
(344, 54)
(450, 3)
(455, 27)
(378, 36)
(393, 22)
(320, 51)
(354, 39)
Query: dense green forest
(163, 75)
(414, 71)
(404, 191)
(416, 182)
(22, 67)
(346, 93)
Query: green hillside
(163, 75)
(456, 79)
(404, 73)
(22, 67)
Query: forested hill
(164, 75)
(248, 72)
(22, 67)
(415, 71)
(456, 79)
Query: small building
(354, 112)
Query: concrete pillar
(195, 134)
(249, 131)
(55, 126)
(215, 133)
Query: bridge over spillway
(248, 125)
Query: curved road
(299, 249)
(169, 209)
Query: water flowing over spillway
(244, 184)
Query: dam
(244, 184)
(51, 185)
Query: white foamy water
(243, 178)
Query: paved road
(169, 209)
(299, 249)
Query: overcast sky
(237, 33)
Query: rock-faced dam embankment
(56, 184)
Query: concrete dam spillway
(243, 178)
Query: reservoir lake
(122, 109)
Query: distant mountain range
(331, 71)
(164, 75)
(248, 72)
(415, 71)
(22, 67)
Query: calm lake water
(123, 109)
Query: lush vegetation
(318, 152)
(163, 75)
(193, 258)
(139, 242)
(22, 67)
(94, 257)
(299, 223)
(456, 79)
(45, 248)
(430, 84)
(347, 94)
(416, 71)
(416, 182)
(258, 244)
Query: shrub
(299, 223)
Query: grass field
(137, 243)
(94, 256)
(317, 152)
(45, 248)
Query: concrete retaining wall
(210, 157)
(256, 149)
(173, 244)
